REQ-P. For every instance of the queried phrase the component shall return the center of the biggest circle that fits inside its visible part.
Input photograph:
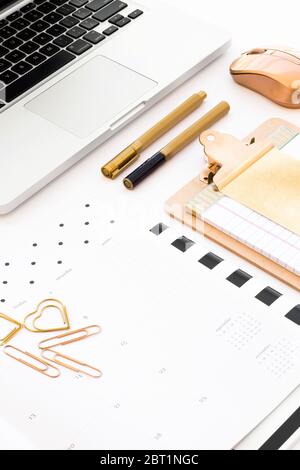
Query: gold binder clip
(71, 363)
(42, 308)
(228, 157)
(17, 327)
(45, 368)
(72, 337)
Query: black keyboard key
(29, 47)
(53, 18)
(26, 34)
(20, 24)
(39, 26)
(89, 24)
(56, 30)
(21, 68)
(94, 37)
(46, 8)
(82, 14)
(115, 19)
(109, 31)
(8, 77)
(35, 59)
(3, 23)
(59, 3)
(76, 32)
(110, 11)
(33, 16)
(14, 16)
(66, 10)
(135, 14)
(79, 47)
(43, 39)
(15, 56)
(12, 43)
(28, 7)
(39, 2)
(7, 32)
(37, 75)
(49, 50)
(69, 22)
(95, 5)
(4, 64)
(3, 51)
(78, 3)
(63, 41)
(123, 22)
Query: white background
(253, 24)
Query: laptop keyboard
(44, 36)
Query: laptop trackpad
(92, 95)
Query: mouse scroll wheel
(257, 51)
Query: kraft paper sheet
(271, 187)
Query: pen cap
(119, 163)
(144, 170)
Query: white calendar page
(188, 359)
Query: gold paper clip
(75, 335)
(42, 307)
(45, 369)
(18, 327)
(54, 356)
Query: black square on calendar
(294, 315)
(239, 278)
(268, 296)
(211, 261)
(183, 244)
(159, 229)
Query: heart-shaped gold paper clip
(42, 307)
(17, 327)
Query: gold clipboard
(175, 207)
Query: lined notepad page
(247, 226)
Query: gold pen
(122, 161)
(177, 144)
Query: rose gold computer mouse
(274, 73)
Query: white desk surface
(254, 24)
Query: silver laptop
(74, 72)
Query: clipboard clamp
(228, 157)
(207, 176)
